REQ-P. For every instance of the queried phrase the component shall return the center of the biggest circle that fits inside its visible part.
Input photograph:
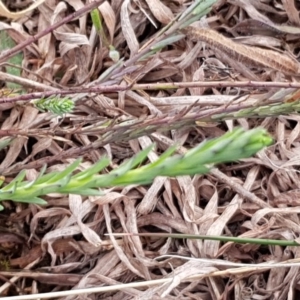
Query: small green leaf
(96, 19)
(33, 200)
(96, 168)
(131, 163)
(67, 171)
(161, 159)
(199, 8)
(203, 6)
(87, 192)
(20, 177)
(44, 178)
(167, 41)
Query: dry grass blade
(127, 29)
(252, 56)
(109, 18)
(200, 275)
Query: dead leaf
(14, 15)
(127, 29)
(160, 11)
(109, 18)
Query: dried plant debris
(124, 48)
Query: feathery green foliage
(231, 146)
(55, 105)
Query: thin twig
(153, 86)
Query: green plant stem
(239, 240)
(232, 146)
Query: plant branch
(127, 128)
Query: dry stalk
(102, 89)
(128, 129)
